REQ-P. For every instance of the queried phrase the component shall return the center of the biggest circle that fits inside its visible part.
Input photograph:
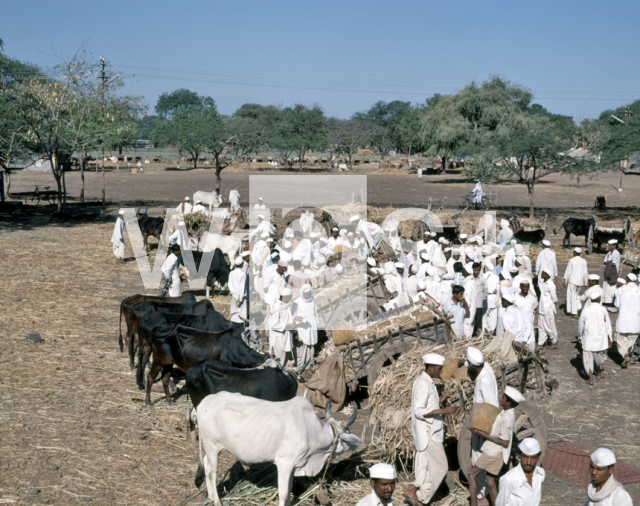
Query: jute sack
(483, 415)
(343, 336)
(460, 374)
(449, 368)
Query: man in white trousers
(304, 311)
(547, 310)
(117, 238)
(575, 277)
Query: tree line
(72, 110)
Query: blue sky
(577, 57)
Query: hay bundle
(390, 420)
(343, 336)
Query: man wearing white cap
(547, 310)
(281, 323)
(238, 291)
(430, 463)
(260, 204)
(394, 240)
(604, 489)
(593, 286)
(170, 270)
(394, 282)
(305, 313)
(199, 208)
(575, 277)
(455, 257)
(262, 227)
(335, 239)
(372, 232)
(469, 286)
(526, 299)
(496, 449)
(117, 238)
(523, 484)
(382, 478)
(611, 271)
(515, 320)
(457, 310)
(259, 255)
(485, 389)
(510, 257)
(594, 330)
(246, 257)
(411, 283)
(184, 207)
(546, 259)
(274, 281)
(627, 301)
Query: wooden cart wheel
(390, 353)
(590, 240)
(529, 423)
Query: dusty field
(72, 425)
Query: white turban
(433, 359)
(382, 472)
(321, 260)
(529, 446)
(306, 288)
(399, 265)
(239, 261)
(594, 277)
(339, 268)
(519, 249)
(275, 254)
(463, 236)
(355, 217)
(594, 296)
(432, 234)
(313, 235)
(414, 269)
(632, 277)
(613, 241)
(548, 271)
(121, 211)
(547, 243)
(187, 198)
(621, 281)
(475, 356)
(283, 263)
(245, 253)
(504, 223)
(284, 291)
(425, 257)
(513, 242)
(508, 296)
(603, 457)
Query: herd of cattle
(233, 388)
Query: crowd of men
(492, 288)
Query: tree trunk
(119, 150)
(381, 154)
(8, 174)
(444, 164)
(195, 161)
(218, 179)
(64, 187)
(248, 163)
(530, 188)
(55, 169)
(82, 162)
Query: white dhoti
(625, 342)
(118, 250)
(175, 290)
(469, 323)
(279, 345)
(499, 326)
(236, 311)
(547, 328)
(431, 467)
(258, 286)
(573, 299)
(589, 357)
(609, 290)
(303, 353)
(490, 319)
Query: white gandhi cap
(433, 359)
(306, 288)
(239, 261)
(593, 277)
(514, 394)
(382, 472)
(285, 291)
(577, 250)
(121, 211)
(475, 356)
(355, 217)
(632, 277)
(529, 446)
(546, 243)
(613, 241)
(603, 457)
(508, 296)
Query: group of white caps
(602, 457)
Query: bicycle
(467, 201)
(39, 194)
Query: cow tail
(199, 475)
(140, 368)
(130, 331)
(120, 342)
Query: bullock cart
(530, 230)
(603, 232)
(390, 398)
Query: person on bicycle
(477, 193)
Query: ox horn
(327, 410)
(352, 418)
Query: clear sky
(578, 57)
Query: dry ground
(73, 428)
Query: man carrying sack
(430, 463)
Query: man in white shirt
(611, 271)
(523, 484)
(593, 286)
(181, 237)
(627, 301)
(382, 478)
(505, 234)
(455, 257)
(411, 283)
(510, 257)
(281, 324)
(456, 309)
(481, 297)
(515, 320)
(430, 463)
(491, 305)
(575, 277)
(546, 259)
(496, 449)
(604, 489)
(594, 329)
(526, 300)
(260, 204)
(469, 286)
(335, 239)
(117, 238)
(547, 310)
(394, 282)
(238, 291)
(170, 271)
(185, 207)
(199, 208)
(371, 232)
(306, 316)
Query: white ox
(229, 244)
(234, 201)
(207, 198)
(290, 435)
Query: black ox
(149, 227)
(269, 383)
(577, 227)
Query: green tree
(169, 103)
(622, 137)
(346, 137)
(387, 116)
(303, 128)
